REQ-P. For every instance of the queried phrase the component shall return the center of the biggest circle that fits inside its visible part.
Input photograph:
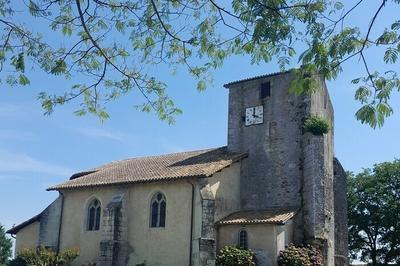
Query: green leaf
(18, 61)
(201, 85)
(396, 25)
(67, 30)
(59, 68)
(366, 115)
(119, 25)
(339, 5)
(33, 8)
(80, 112)
(23, 80)
(102, 24)
(391, 55)
(362, 94)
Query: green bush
(232, 256)
(18, 261)
(300, 256)
(316, 125)
(45, 257)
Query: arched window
(93, 215)
(158, 210)
(243, 239)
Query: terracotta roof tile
(268, 216)
(202, 163)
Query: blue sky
(37, 151)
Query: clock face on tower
(254, 115)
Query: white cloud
(16, 135)
(10, 110)
(22, 163)
(102, 133)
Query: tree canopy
(108, 47)
(374, 214)
(5, 246)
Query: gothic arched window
(93, 215)
(158, 210)
(243, 239)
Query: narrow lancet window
(94, 215)
(243, 239)
(158, 210)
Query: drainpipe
(60, 224)
(191, 225)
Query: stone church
(272, 185)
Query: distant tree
(108, 48)
(5, 246)
(374, 214)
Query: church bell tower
(286, 167)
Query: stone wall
(286, 168)
(50, 224)
(262, 239)
(114, 247)
(319, 151)
(317, 209)
(27, 237)
(341, 229)
(270, 176)
(207, 240)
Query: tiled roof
(268, 216)
(202, 163)
(15, 229)
(256, 77)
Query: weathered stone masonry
(285, 167)
(341, 240)
(115, 248)
(50, 220)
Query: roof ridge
(286, 208)
(162, 155)
(258, 77)
(278, 215)
(112, 163)
(173, 166)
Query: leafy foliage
(45, 257)
(374, 214)
(300, 256)
(111, 48)
(5, 246)
(18, 261)
(316, 125)
(232, 256)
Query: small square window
(265, 90)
